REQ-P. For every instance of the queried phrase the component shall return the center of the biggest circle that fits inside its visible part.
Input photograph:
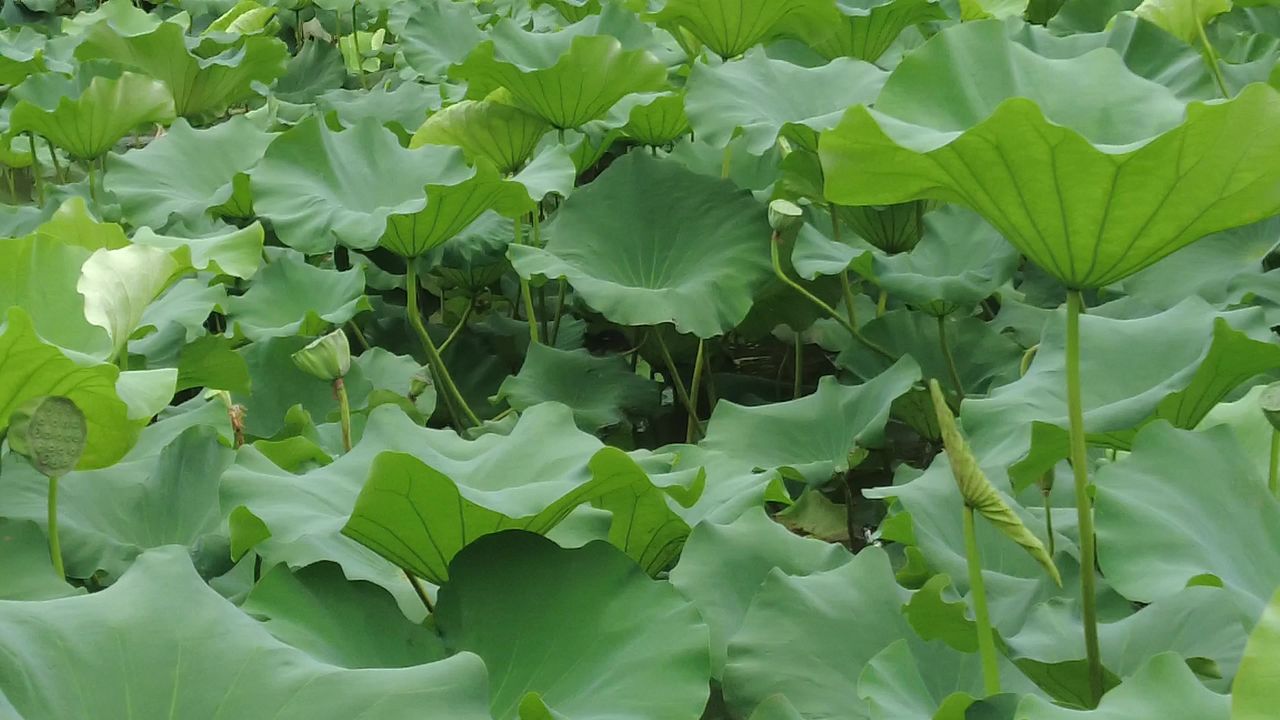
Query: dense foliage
(640, 359)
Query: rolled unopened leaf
(785, 217)
(977, 490)
(50, 432)
(327, 357)
(1269, 401)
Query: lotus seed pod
(327, 357)
(785, 217)
(1269, 401)
(50, 432)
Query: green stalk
(1273, 480)
(555, 325)
(830, 311)
(344, 407)
(951, 360)
(355, 42)
(420, 591)
(798, 375)
(693, 429)
(986, 637)
(57, 168)
(676, 381)
(1084, 508)
(1048, 516)
(1211, 57)
(846, 288)
(882, 302)
(461, 413)
(93, 193)
(462, 322)
(55, 548)
(525, 292)
(37, 180)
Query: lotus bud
(327, 357)
(1269, 401)
(419, 383)
(785, 217)
(49, 431)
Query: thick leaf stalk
(461, 412)
(986, 638)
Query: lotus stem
(676, 381)
(1084, 508)
(798, 375)
(57, 168)
(355, 42)
(358, 333)
(93, 193)
(420, 591)
(977, 588)
(37, 179)
(846, 288)
(525, 292)
(462, 322)
(726, 161)
(1273, 478)
(344, 407)
(830, 311)
(951, 360)
(555, 325)
(693, 428)
(460, 412)
(1211, 57)
(1048, 513)
(882, 302)
(55, 548)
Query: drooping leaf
(119, 284)
(685, 249)
(504, 135)
(604, 392)
(1184, 19)
(869, 27)
(85, 115)
(660, 121)
(731, 30)
(644, 524)
(227, 250)
(1046, 167)
(290, 297)
(154, 616)
(620, 646)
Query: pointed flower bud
(49, 431)
(327, 357)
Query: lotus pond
(640, 360)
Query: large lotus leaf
(38, 273)
(337, 621)
(152, 620)
(1256, 692)
(31, 368)
(437, 34)
(25, 562)
(959, 260)
(87, 114)
(226, 250)
(604, 392)
(722, 567)
(732, 29)
(110, 516)
(759, 97)
(402, 108)
(1160, 522)
(809, 637)
(1184, 19)
(684, 248)
(1221, 268)
(815, 435)
(290, 297)
(1066, 176)
(619, 646)
(644, 524)
(542, 455)
(1199, 623)
(912, 680)
(419, 517)
(660, 121)
(504, 135)
(201, 84)
(1164, 688)
(119, 284)
(566, 86)
(185, 172)
(21, 54)
(869, 27)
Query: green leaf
(220, 76)
(729, 30)
(935, 617)
(31, 368)
(153, 617)
(86, 115)
(685, 249)
(604, 392)
(1160, 526)
(185, 172)
(1164, 687)
(504, 135)
(337, 621)
(419, 517)
(24, 559)
(289, 297)
(1255, 693)
(565, 78)
(870, 27)
(227, 250)
(910, 680)
(119, 284)
(1046, 167)
(1184, 19)
(814, 435)
(659, 121)
(39, 273)
(722, 567)
(760, 98)
(620, 645)
(437, 34)
(643, 525)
